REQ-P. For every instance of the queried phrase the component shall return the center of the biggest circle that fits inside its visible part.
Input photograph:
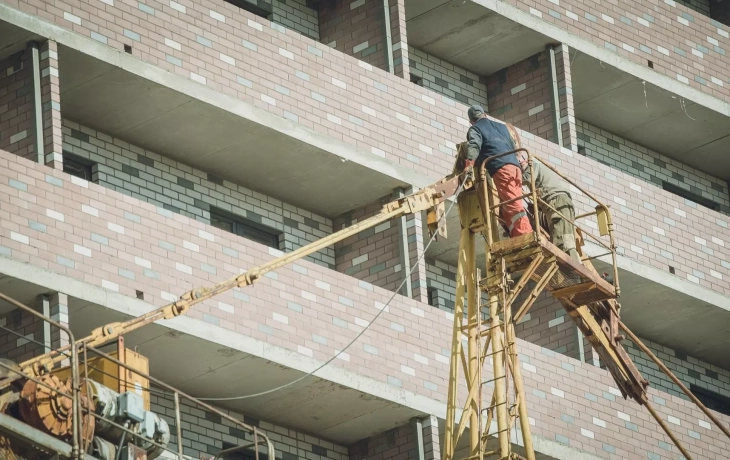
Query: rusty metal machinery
(45, 406)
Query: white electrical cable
(357, 337)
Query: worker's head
(475, 113)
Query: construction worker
(556, 193)
(486, 138)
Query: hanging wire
(360, 334)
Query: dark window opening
(416, 80)
(693, 197)
(244, 454)
(244, 227)
(261, 8)
(671, 270)
(128, 49)
(77, 166)
(650, 64)
(712, 400)
(581, 150)
(433, 295)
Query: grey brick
(126, 273)
(203, 41)
(18, 185)
(609, 448)
(567, 418)
(211, 319)
(37, 226)
(562, 439)
(132, 35)
(65, 262)
(395, 381)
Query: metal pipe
(674, 378)
(418, 425)
(452, 401)
(388, 37)
(75, 389)
(37, 103)
(669, 433)
(404, 252)
(556, 96)
(472, 297)
(178, 426)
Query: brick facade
(650, 166)
(373, 255)
(355, 28)
(51, 104)
(179, 188)
(447, 79)
(24, 342)
(682, 44)
(521, 94)
(395, 444)
(17, 133)
(297, 15)
(285, 309)
(206, 433)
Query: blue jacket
(487, 138)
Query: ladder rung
(492, 380)
(495, 405)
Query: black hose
(121, 442)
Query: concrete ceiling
(469, 35)
(13, 39)
(159, 119)
(650, 116)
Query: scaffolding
(492, 309)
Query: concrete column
(412, 246)
(51, 105)
(566, 109)
(54, 306)
(431, 442)
(399, 38)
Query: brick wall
(521, 94)
(177, 187)
(206, 433)
(447, 79)
(286, 309)
(700, 6)
(296, 15)
(20, 348)
(441, 281)
(395, 444)
(373, 255)
(684, 45)
(354, 27)
(720, 10)
(643, 163)
(689, 370)
(16, 105)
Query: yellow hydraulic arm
(429, 199)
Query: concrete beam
(521, 17)
(195, 90)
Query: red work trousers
(508, 180)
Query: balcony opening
(245, 228)
(260, 8)
(128, 49)
(77, 166)
(650, 64)
(719, 10)
(713, 401)
(688, 195)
